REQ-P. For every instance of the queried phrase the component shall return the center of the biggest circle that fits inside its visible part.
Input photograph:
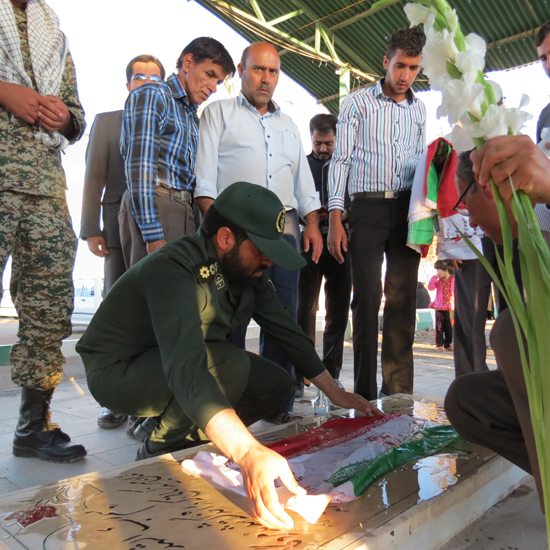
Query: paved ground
(516, 523)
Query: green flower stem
(453, 71)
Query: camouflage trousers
(37, 232)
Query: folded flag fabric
(433, 196)
(339, 460)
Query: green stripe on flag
(426, 441)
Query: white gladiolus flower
(469, 62)
(460, 96)
(418, 14)
(524, 101)
(476, 45)
(461, 140)
(440, 47)
(497, 90)
(493, 124)
(490, 126)
(473, 59)
(452, 19)
(448, 44)
(515, 119)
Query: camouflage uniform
(36, 230)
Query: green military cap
(260, 213)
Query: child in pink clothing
(443, 284)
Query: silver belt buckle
(390, 194)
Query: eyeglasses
(152, 78)
(460, 207)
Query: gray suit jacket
(104, 181)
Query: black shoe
(36, 436)
(143, 452)
(109, 419)
(133, 423)
(145, 429)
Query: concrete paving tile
(7, 486)
(502, 523)
(105, 440)
(121, 455)
(30, 472)
(84, 411)
(6, 440)
(7, 426)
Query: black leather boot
(36, 436)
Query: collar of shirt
(178, 92)
(273, 108)
(378, 92)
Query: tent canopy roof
(317, 39)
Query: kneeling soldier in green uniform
(159, 344)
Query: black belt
(379, 195)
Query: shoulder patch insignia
(218, 279)
(206, 271)
(280, 222)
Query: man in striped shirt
(159, 142)
(380, 136)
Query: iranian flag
(339, 460)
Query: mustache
(265, 87)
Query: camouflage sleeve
(68, 93)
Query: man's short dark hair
(144, 59)
(206, 48)
(213, 221)
(465, 169)
(544, 31)
(323, 123)
(408, 40)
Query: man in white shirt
(248, 138)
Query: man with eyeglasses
(159, 143)
(104, 186)
(491, 408)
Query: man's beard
(235, 270)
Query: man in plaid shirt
(159, 142)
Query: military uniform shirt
(26, 165)
(179, 299)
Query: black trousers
(378, 228)
(472, 291)
(443, 329)
(491, 408)
(337, 299)
(114, 267)
(254, 386)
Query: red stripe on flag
(330, 434)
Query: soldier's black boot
(36, 436)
